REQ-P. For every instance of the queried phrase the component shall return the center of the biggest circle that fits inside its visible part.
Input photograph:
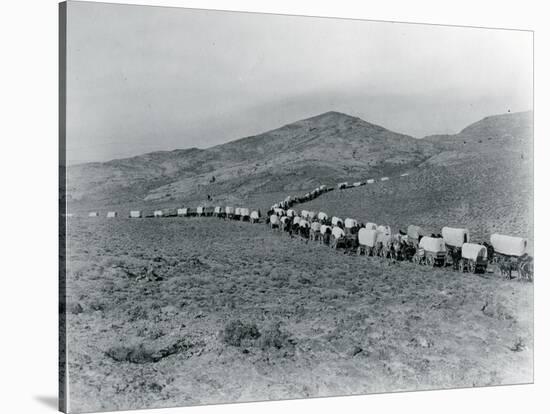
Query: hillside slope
(481, 179)
(298, 156)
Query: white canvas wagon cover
(311, 215)
(279, 211)
(335, 220)
(157, 213)
(414, 232)
(357, 184)
(337, 232)
(111, 214)
(367, 237)
(304, 213)
(316, 226)
(217, 209)
(284, 219)
(370, 181)
(343, 185)
(304, 223)
(384, 178)
(238, 211)
(135, 214)
(255, 215)
(296, 220)
(324, 228)
(291, 213)
(200, 210)
(509, 245)
(322, 216)
(273, 219)
(349, 223)
(473, 251)
(93, 214)
(245, 212)
(371, 226)
(432, 244)
(386, 230)
(455, 237)
(229, 210)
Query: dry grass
(296, 319)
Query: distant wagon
(219, 212)
(229, 212)
(335, 220)
(112, 214)
(279, 211)
(414, 233)
(135, 214)
(255, 217)
(93, 214)
(511, 255)
(322, 187)
(358, 183)
(431, 251)
(274, 221)
(371, 226)
(322, 216)
(291, 213)
(342, 186)
(404, 174)
(311, 215)
(370, 181)
(245, 214)
(474, 258)
(169, 212)
(384, 178)
(350, 223)
(182, 212)
(367, 241)
(200, 211)
(455, 237)
(157, 213)
(338, 237)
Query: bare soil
(185, 311)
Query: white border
(29, 185)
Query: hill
(298, 156)
(480, 178)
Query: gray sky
(142, 79)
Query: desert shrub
(237, 332)
(274, 337)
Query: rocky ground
(175, 311)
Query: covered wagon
(473, 258)
(338, 237)
(415, 232)
(384, 178)
(431, 251)
(342, 186)
(291, 213)
(93, 214)
(245, 214)
(455, 237)
(322, 216)
(367, 241)
(255, 216)
(350, 223)
(370, 181)
(274, 221)
(135, 214)
(158, 213)
(335, 220)
(371, 226)
(511, 255)
(229, 212)
(112, 214)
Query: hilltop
(296, 157)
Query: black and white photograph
(260, 207)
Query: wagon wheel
(461, 266)
(472, 266)
(359, 251)
(429, 260)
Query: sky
(143, 78)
